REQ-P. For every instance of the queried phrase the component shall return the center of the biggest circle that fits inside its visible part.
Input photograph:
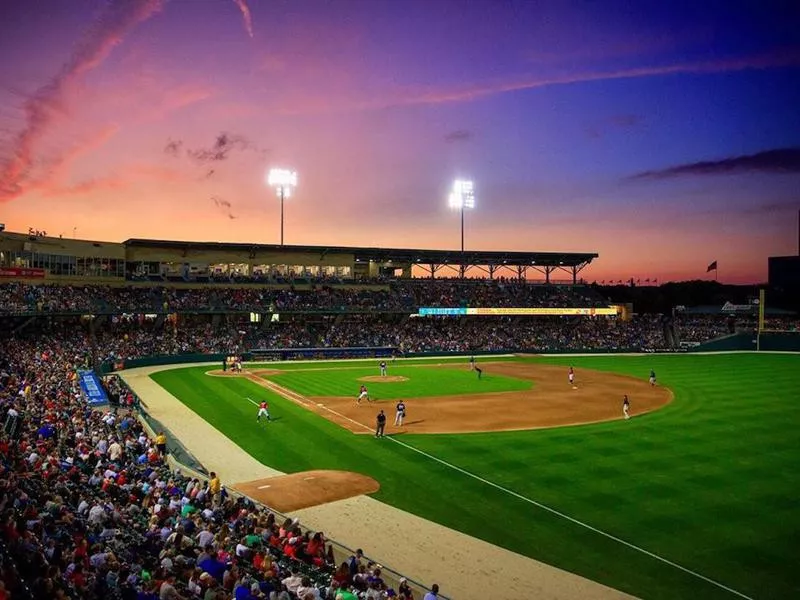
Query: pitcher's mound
(287, 493)
(383, 378)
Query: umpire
(380, 424)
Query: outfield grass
(422, 382)
(710, 481)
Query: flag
(712, 267)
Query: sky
(661, 135)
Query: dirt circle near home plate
(551, 402)
(383, 379)
(287, 493)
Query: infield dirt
(551, 402)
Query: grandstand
(58, 260)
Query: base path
(287, 493)
(551, 402)
(465, 567)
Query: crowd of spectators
(397, 296)
(535, 334)
(117, 337)
(90, 509)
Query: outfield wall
(771, 341)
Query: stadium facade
(36, 257)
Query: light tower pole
(462, 197)
(284, 182)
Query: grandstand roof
(400, 255)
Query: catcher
(400, 414)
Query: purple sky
(661, 135)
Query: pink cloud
(54, 172)
(350, 98)
(467, 94)
(125, 178)
(246, 16)
(48, 104)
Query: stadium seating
(90, 508)
(397, 296)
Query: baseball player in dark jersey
(380, 424)
(400, 414)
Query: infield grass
(421, 382)
(710, 481)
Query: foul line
(294, 396)
(573, 520)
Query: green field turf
(422, 381)
(709, 482)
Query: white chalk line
(297, 397)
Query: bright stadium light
(462, 196)
(284, 181)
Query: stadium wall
(740, 342)
(787, 341)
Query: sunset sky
(662, 135)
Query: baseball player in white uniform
(383, 368)
(626, 406)
(363, 394)
(400, 414)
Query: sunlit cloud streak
(49, 103)
(246, 16)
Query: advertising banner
(90, 384)
(22, 272)
(500, 312)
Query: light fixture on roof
(284, 181)
(462, 196)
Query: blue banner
(90, 384)
(429, 312)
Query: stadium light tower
(462, 196)
(284, 182)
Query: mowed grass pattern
(422, 382)
(709, 482)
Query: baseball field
(694, 497)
